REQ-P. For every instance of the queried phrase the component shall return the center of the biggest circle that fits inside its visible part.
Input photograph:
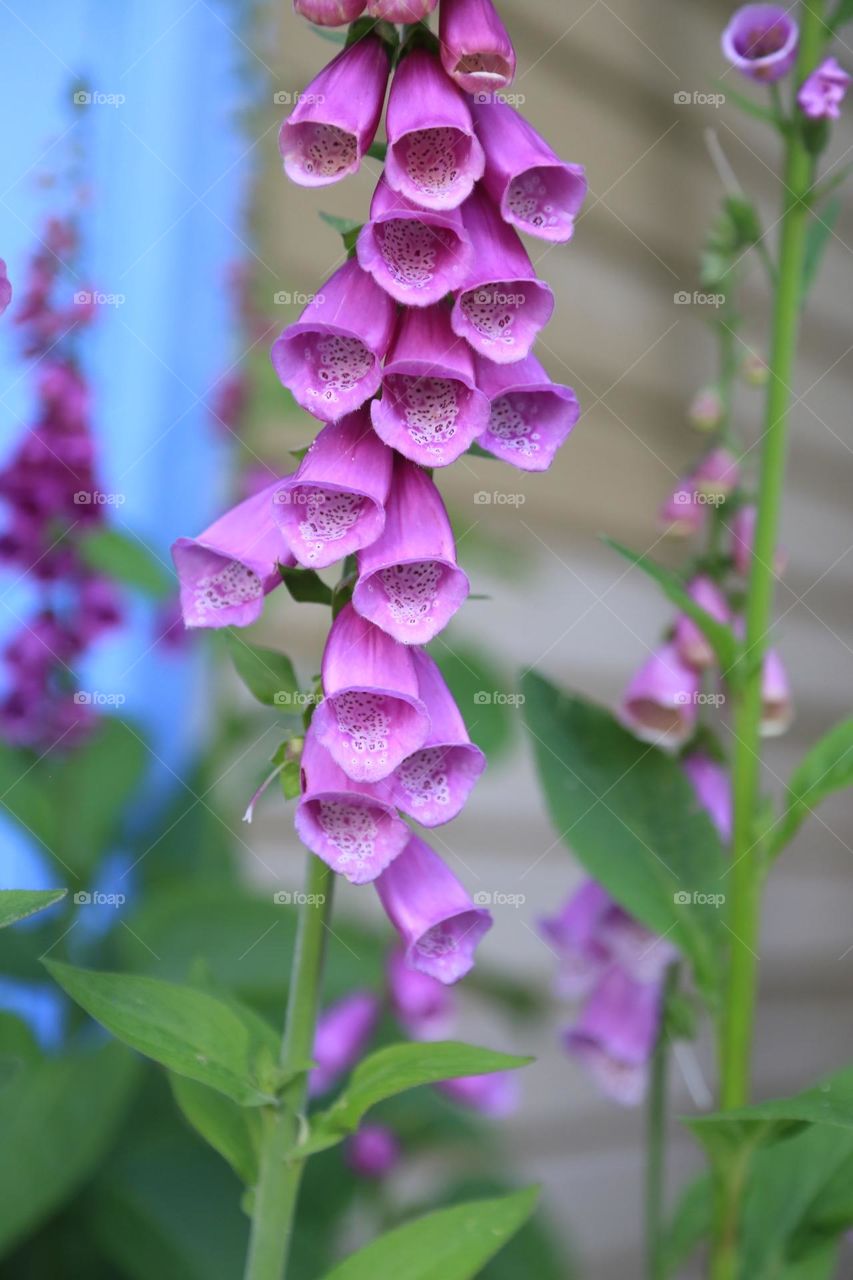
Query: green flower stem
(736, 1028)
(280, 1173)
(656, 1117)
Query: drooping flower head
(331, 357)
(434, 157)
(530, 416)
(372, 716)
(431, 410)
(329, 13)
(615, 1035)
(533, 188)
(742, 529)
(713, 790)
(336, 117)
(683, 514)
(373, 1151)
(777, 706)
(660, 704)
(706, 409)
(433, 784)
(334, 503)
(476, 50)
(690, 642)
(416, 255)
(496, 1094)
(225, 573)
(435, 916)
(353, 826)
(761, 41)
(343, 1032)
(502, 305)
(822, 93)
(717, 474)
(422, 1005)
(409, 583)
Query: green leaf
(452, 1244)
(842, 15)
(17, 904)
(395, 1069)
(25, 798)
(829, 1103)
(751, 108)
(231, 1130)
(721, 637)
(269, 676)
(378, 151)
(204, 1037)
(827, 767)
(127, 560)
(305, 586)
(483, 693)
(690, 1225)
(58, 1118)
(818, 236)
(347, 228)
(630, 816)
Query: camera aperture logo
(684, 898)
(284, 898)
(83, 898)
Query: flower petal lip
(434, 156)
(416, 255)
(501, 305)
(660, 704)
(330, 359)
(334, 503)
(433, 785)
(225, 573)
(435, 916)
(336, 117)
(372, 716)
(400, 10)
(352, 826)
(534, 189)
(615, 1034)
(476, 50)
(431, 410)
(761, 41)
(409, 582)
(530, 416)
(329, 13)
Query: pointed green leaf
(395, 1069)
(347, 228)
(231, 1130)
(305, 586)
(721, 637)
(827, 767)
(17, 904)
(268, 675)
(210, 1039)
(829, 1103)
(818, 236)
(842, 15)
(630, 816)
(127, 560)
(690, 1225)
(452, 1244)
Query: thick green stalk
(656, 1116)
(736, 1030)
(280, 1173)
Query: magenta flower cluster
(761, 41)
(50, 491)
(419, 345)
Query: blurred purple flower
(710, 781)
(5, 288)
(422, 1005)
(690, 642)
(777, 711)
(373, 1151)
(495, 1094)
(343, 1033)
(761, 41)
(615, 1035)
(742, 528)
(660, 704)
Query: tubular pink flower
(334, 504)
(533, 188)
(717, 474)
(761, 41)
(496, 1094)
(615, 1035)
(660, 704)
(226, 571)
(433, 784)
(476, 50)
(706, 409)
(373, 1151)
(409, 583)
(416, 255)
(400, 10)
(372, 716)
(822, 93)
(433, 913)
(693, 648)
(530, 416)
(422, 1005)
(575, 934)
(352, 826)
(742, 528)
(713, 791)
(329, 13)
(431, 410)
(501, 306)
(331, 357)
(5, 288)
(683, 515)
(336, 117)
(434, 157)
(777, 711)
(343, 1033)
